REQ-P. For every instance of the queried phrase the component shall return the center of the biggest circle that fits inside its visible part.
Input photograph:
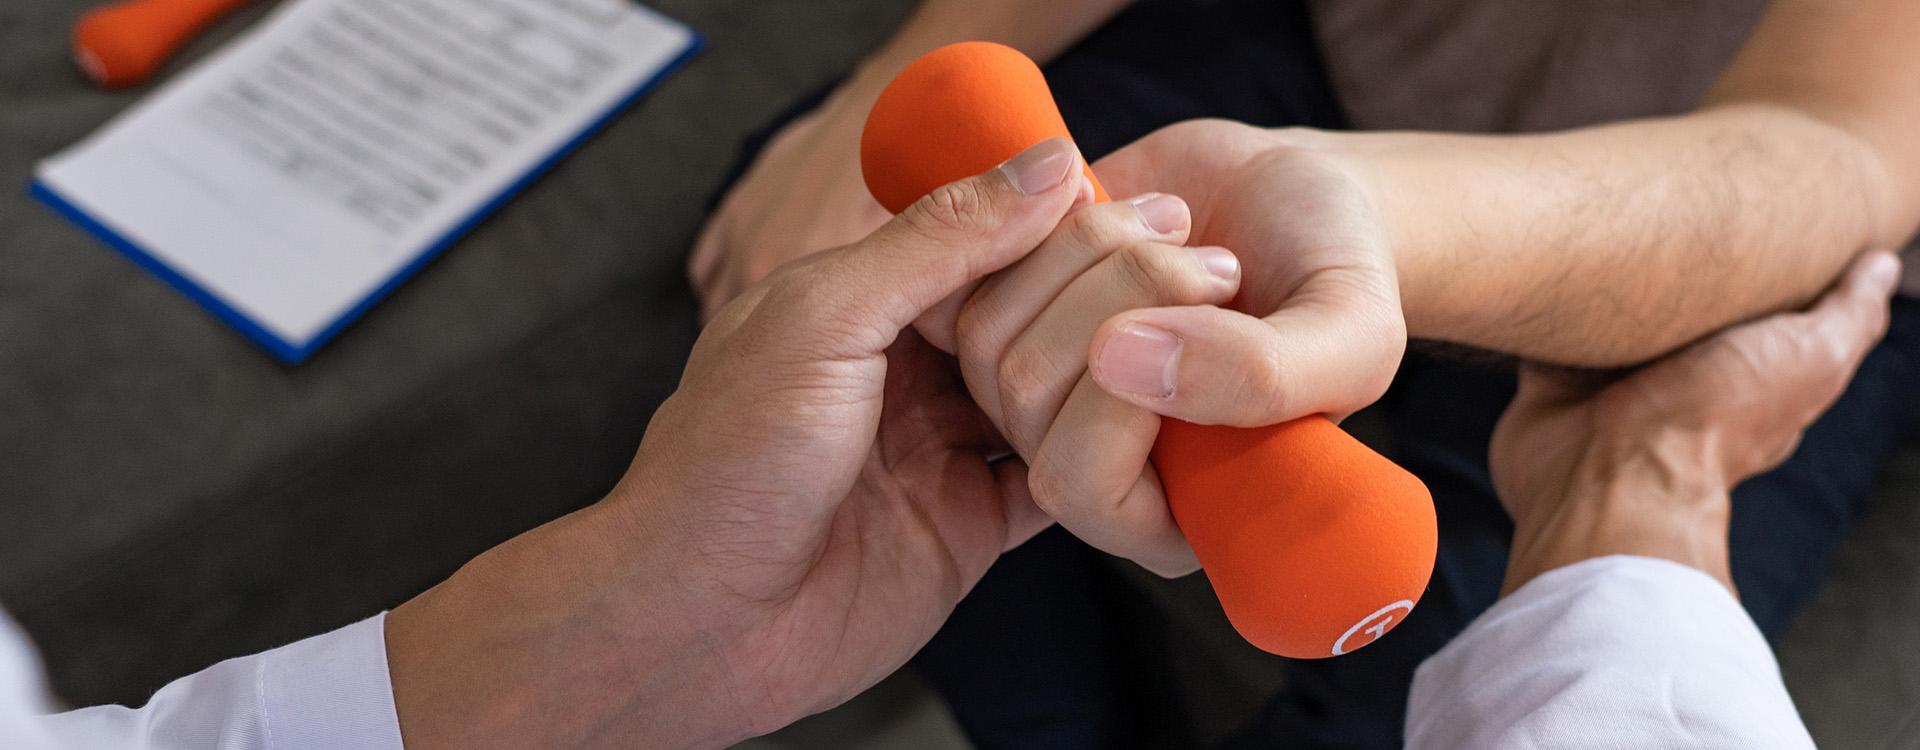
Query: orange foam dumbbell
(1315, 544)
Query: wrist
(1652, 499)
(1429, 293)
(562, 635)
(1471, 235)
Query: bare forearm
(561, 638)
(1850, 63)
(1611, 245)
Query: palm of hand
(884, 503)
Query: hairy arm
(1614, 244)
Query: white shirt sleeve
(328, 691)
(1613, 652)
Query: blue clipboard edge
(291, 352)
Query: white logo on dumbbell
(1381, 620)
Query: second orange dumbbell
(122, 44)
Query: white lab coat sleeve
(329, 691)
(1613, 652)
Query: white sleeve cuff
(1616, 651)
(330, 691)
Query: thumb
(1803, 358)
(1853, 315)
(954, 236)
(1329, 351)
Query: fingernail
(1140, 360)
(1164, 214)
(1218, 261)
(1883, 272)
(1041, 167)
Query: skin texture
(801, 516)
(810, 505)
(1601, 247)
(1639, 238)
(1797, 162)
(1023, 335)
(1596, 247)
(1590, 466)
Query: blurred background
(171, 496)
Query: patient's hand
(1024, 338)
(1590, 466)
(1317, 326)
(1076, 350)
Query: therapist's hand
(1590, 466)
(803, 513)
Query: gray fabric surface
(173, 496)
(1852, 661)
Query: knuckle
(796, 291)
(1023, 376)
(1054, 488)
(1839, 352)
(809, 302)
(732, 315)
(1153, 272)
(973, 330)
(1132, 269)
(1103, 228)
(954, 208)
(1267, 376)
(1828, 352)
(794, 306)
